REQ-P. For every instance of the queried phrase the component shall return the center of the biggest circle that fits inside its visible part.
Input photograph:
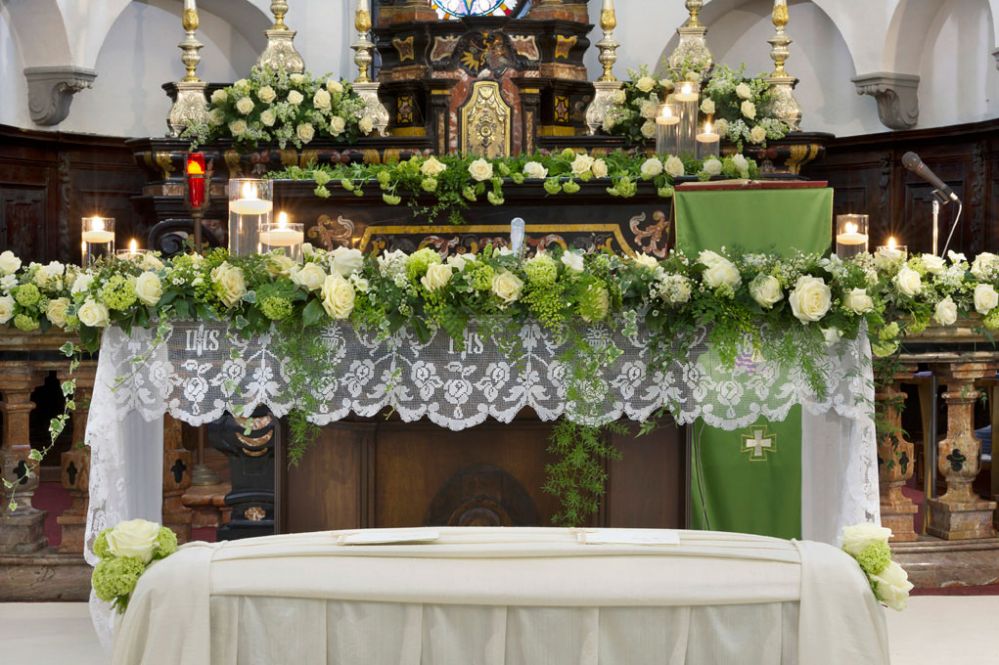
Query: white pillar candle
(687, 92)
(708, 135)
(282, 234)
(667, 116)
(98, 235)
(851, 235)
(250, 202)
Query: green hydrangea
(889, 332)
(25, 323)
(594, 303)
(429, 185)
(166, 543)
(113, 578)
(875, 558)
(419, 261)
(119, 292)
(547, 305)
(992, 320)
(27, 295)
(101, 548)
(480, 275)
(276, 309)
(541, 271)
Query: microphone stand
(936, 225)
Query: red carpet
(54, 499)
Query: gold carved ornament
(486, 123)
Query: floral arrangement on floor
(815, 300)
(273, 106)
(125, 552)
(452, 183)
(868, 544)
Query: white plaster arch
(41, 33)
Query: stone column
(22, 530)
(960, 514)
(896, 465)
(177, 463)
(75, 463)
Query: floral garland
(868, 545)
(452, 183)
(275, 106)
(815, 300)
(125, 552)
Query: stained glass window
(461, 8)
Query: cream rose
(766, 291)
(721, 127)
(150, 262)
(148, 288)
(9, 263)
(310, 277)
(743, 91)
(6, 309)
(245, 105)
(507, 287)
(366, 125)
(93, 314)
(985, 264)
(295, 98)
(334, 86)
(216, 117)
(986, 299)
(946, 312)
(741, 164)
(708, 106)
(859, 537)
(337, 125)
(82, 283)
(908, 282)
(437, 277)
(460, 261)
(267, 118)
(892, 586)
(648, 109)
(306, 132)
(599, 168)
(651, 168)
(535, 170)
(646, 261)
(337, 297)
(582, 165)
(480, 170)
(322, 100)
(266, 94)
(712, 166)
(721, 273)
(748, 110)
(346, 260)
(757, 135)
(573, 261)
(134, 538)
(645, 84)
(237, 127)
(220, 97)
(934, 264)
(649, 129)
(297, 79)
(810, 300)
(857, 301)
(433, 167)
(674, 167)
(229, 284)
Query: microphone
(911, 161)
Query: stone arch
(40, 29)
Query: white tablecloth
(504, 597)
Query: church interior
(499, 331)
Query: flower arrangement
(453, 182)
(868, 544)
(633, 114)
(275, 106)
(125, 552)
(741, 107)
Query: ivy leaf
(35, 455)
(312, 314)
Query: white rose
(582, 165)
(266, 94)
(619, 97)
(956, 257)
(310, 277)
(337, 297)
(148, 288)
(599, 168)
(986, 299)
(649, 129)
(220, 97)
(507, 286)
(366, 125)
(859, 537)
(346, 260)
(810, 299)
(6, 309)
(946, 312)
(535, 170)
(82, 283)
(9, 263)
(712, 166)
(985, 266)
(721, 126)
(268, 118)
(460, 261)
(8, 282)
(743, 91)
(908, 282)
(295, 98)
(334, 86)
(241, 84)
(134, 538)
(337, 125)
(56, 311)
(892, 586)
(935, 265)
(297, 79)
(480, 170)
(722, 274)
(708, 106)
(648, 108)
(857, 301)
(573, 261)
(437, 277)
(237, 127)
(651, 168)
(230, 282)
(216, 117)
(150, 262)
(50, 276)
(306, 132)
(757, 135)
(93, 314)
(748, 110)
(433, 167)
(766, 291)
(645, 84)
(646, 261)
(708, 258)
(741, 164)
(322, 100)
(674, 167)
(245, 105)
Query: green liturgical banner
(749, 480)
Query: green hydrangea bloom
(119, 292)
(101, 548)
(889, 332)
(276, 309)
(875, 558)
(25, 323)
(594, 304)
(429, 185)
(166, 543)
(419, 261)
(541, 270)
(113, 578)
(992, 320)
(480, 275)
(27, 295)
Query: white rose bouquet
(742, 107)
(868, 545)
(125, 552)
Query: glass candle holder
(97, 239)
(851, 235)
(133, 252)
(686, 129)
(283, 236)
(892, 251)
(687, 91)
(667, 127)
(708, 142)
(251, 206)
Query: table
(504, 596)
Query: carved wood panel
(21, 211)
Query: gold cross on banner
(759, 444)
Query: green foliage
(578, 478)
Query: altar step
(933, 563)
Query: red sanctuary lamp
(197, 177)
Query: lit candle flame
(282, 221)
(892, 245)
(133, 246)
(851, 227)
(97, 224)
(667, 112)
(707, 127)
(249, 191)
(686, 88)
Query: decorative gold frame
(486, 122)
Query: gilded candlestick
(281, 52)
(692, 53)
(785, 105)
(190, 106)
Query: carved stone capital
(897, 97)
(51, 90)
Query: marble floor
(935, 630)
